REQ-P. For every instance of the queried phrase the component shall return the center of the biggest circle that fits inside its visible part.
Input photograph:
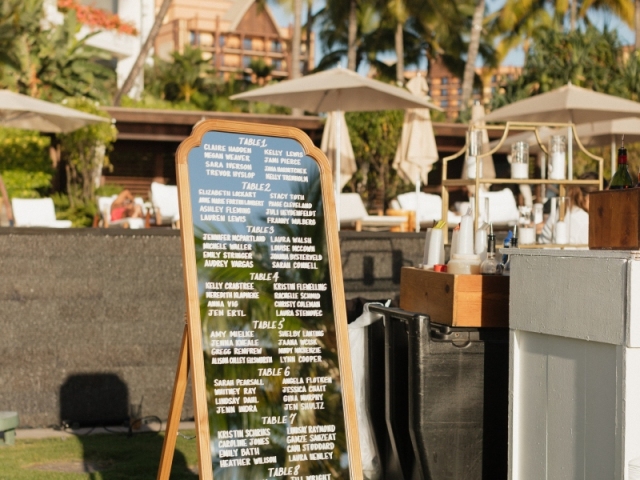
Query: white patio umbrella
(567, 104)
(488, 168)
(606, 132)
(28, 113)
(335, 138)
(337, 89)
(417, 150)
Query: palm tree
(472, 53)
(517, 21)
(399, 13)
(311, 18)
(351, 39)
(346, 32)
(144, 51)
(637, 23)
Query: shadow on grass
(102, 399)
(120, 457)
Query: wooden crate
(456, 300)
(614, 219)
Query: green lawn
(108, 457)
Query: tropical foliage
(374, 136)
(48, 61)
(588, 58)
(97, 18)
(85, 153)
(25, 165)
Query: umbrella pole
(417, 220)
(337, 179)
(613, 156)
(570, 152)
(542, 161)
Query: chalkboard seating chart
(266, 305)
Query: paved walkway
(37, 433)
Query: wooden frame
(193, 330)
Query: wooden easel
(177, 400)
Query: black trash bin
(445, 399)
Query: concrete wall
(91, 320)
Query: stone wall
(91, 320)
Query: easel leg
(177, 399)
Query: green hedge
(25, 164)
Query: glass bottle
(622, 178)
(514, 244)
(491, 265)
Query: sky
(515, 57)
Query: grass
(115, 456)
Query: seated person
(124, 206)
(577, 216)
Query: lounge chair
(430, 210)
(503, 209)
(104, 207)
(354, 215)
(164, 199)
(36, 212)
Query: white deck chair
(430, 210)
(104, 205)
(503, 209)
(353, 214)
(36, 212)
(164, 199)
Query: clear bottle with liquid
(514, 244)
(491, 265)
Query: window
(444, 80)
(276, 65)
(194, 38)
(221, 40)
(276, 46)
(459, 91)
(444, 103)
(110, 6)
(444, 92)
(246, 61)
(247, 44)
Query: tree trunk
(637, 24)
(309, 30)
(352, 48)
(296, 43)
(399, 41)
(142, 56)
(574, 14)
(472, 54)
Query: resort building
(237, 35)
(445, 88)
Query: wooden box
(614, 219)
(456, 300)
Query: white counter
(574, 365)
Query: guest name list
(272, 371)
